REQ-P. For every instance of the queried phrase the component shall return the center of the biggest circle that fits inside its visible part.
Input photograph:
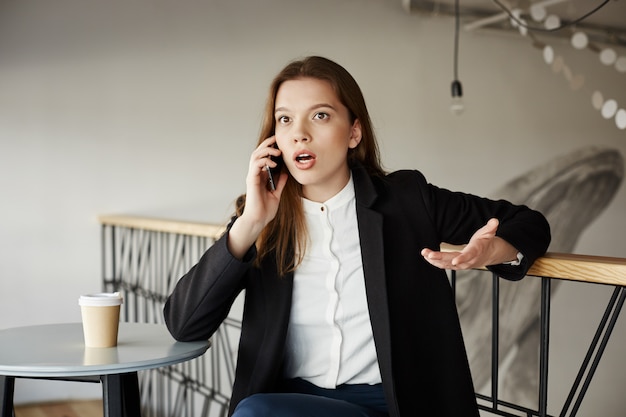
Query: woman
(348, 310)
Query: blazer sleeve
(203, 297)
(529, 232)
(458, 215)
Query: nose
(300, 133)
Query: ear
(355, 134)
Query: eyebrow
(314, 107)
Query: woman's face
(314, 133)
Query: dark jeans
(303, 399)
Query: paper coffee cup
(101, 317)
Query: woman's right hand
(261, 203)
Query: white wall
(151, 107)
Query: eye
(282, 119)
(321, 116)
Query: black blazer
(415, 324)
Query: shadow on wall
(571, 191)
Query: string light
(609, 109)
(552, 23)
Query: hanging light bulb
(552, 22)
(538, 12)
(457, 105)
(580, 40)
(620, 119)
(608, 56)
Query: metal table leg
(7, 388)
(121, 395)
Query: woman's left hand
(484, 248)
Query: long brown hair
(285, 237)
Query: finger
(263, 155)
(430, 254)
(439, 259)
(461, 262)
(266, 157)
(270, 146)
(490, 228)
(270, 141)
(266, 144)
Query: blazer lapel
(373, 257)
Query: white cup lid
(101, 299)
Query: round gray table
(58, 351)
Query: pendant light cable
(456, 39)
(457, 105)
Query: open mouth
(305, 157)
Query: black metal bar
(133, 269)
(592, 348)
(495, 339)
(601, 349)
(544, 348)
(7, 389)
(120, 395)
(112, 396)
(500, 412)
(130, 394)
(113, 257)
(453, 283)
(87, 378)
(103, 256)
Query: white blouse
(329, 339)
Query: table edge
(92, 370)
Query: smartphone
(273, 173)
